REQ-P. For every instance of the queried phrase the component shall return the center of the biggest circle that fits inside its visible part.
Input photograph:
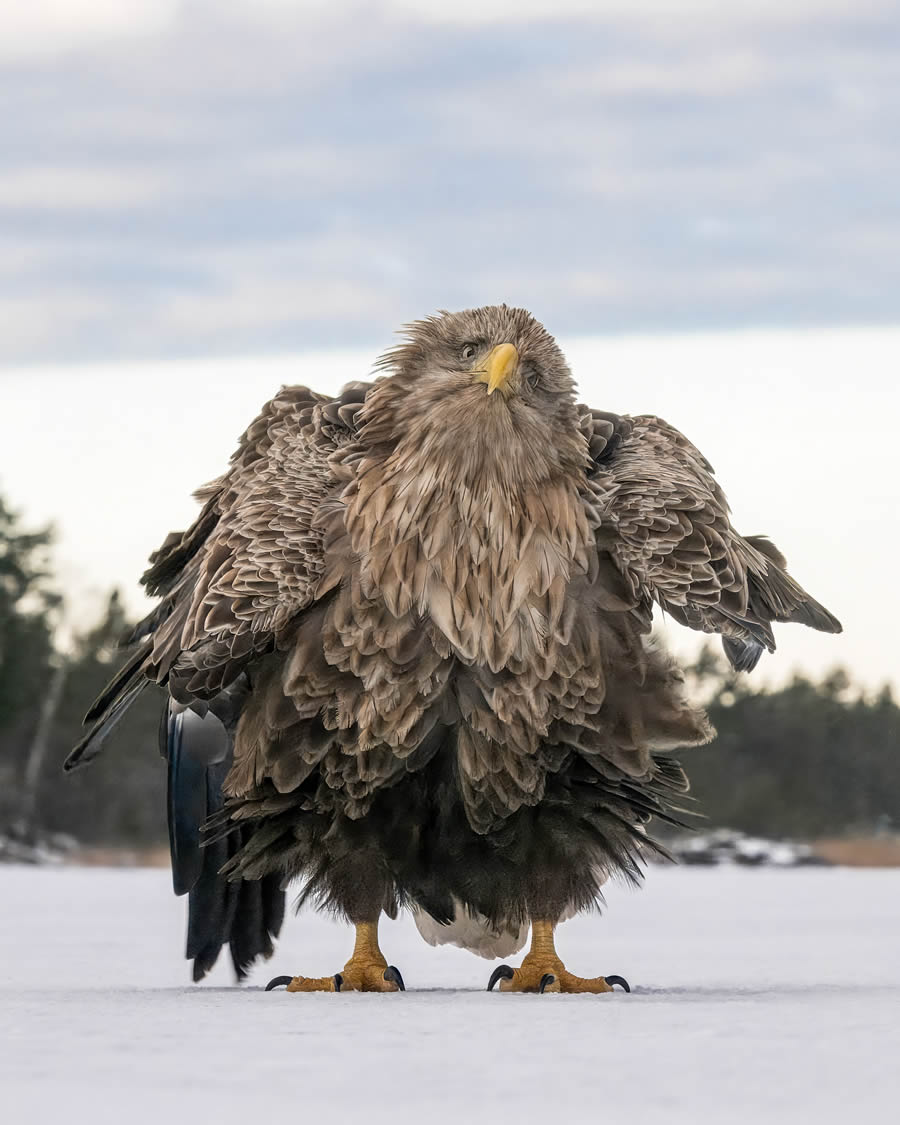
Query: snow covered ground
(759, 996)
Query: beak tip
(499, 366)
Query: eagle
(407, 653)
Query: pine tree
(120, 798)
(28, 603)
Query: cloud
(30, 28)
(737, 13)
(66, 188)
(213, 176)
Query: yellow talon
(543, 971)
(366, 971)
(312, 984)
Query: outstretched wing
(249, 563)
(665, 522)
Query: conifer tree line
(120, 799)
(808, 759)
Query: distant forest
(810, 759)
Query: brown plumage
(422, 609)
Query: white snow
(760, 995)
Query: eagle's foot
(545, 975)
(543, 971)
(356, 976)
(375, 975)
(366, 971)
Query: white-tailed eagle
(406, 648)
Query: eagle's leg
(543, 971)
(366, 971)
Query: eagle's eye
(532, 377)
(467, 351)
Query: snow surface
(760, 995)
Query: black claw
(502, 972)
(276, 982)
(546, 980)
(392, 973)
(621, 981)
(338, 981)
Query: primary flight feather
(406, 648)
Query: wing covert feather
(253, 557)
(664, 520)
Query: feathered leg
(543, 971)
(366, 971)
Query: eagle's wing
(664, 520)
(249, 563)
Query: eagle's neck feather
(487, 562)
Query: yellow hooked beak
(498, 367)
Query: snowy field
(759, 996)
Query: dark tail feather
(92, 743)
(120, 684)
(742, 655)
(257, 921)
(246, 916)
(199, 752)
(212, 904)
(108, 709)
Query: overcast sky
(199, 177)
(700, 198)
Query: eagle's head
(463, 496)
(484, 396)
